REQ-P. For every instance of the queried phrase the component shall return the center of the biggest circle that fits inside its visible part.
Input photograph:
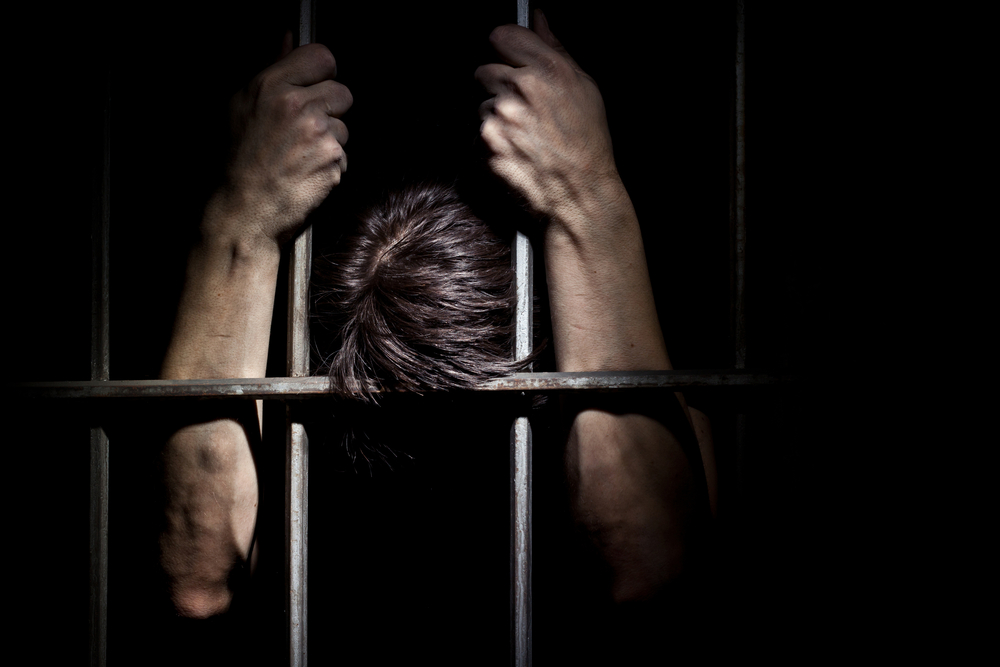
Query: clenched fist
(545, 126)
(288, 143)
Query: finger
(341, 163)
(518, 46)
(495, 77)
(339, 131)
(486, 108)
(542, 30)
(333, 97)
(492, 136)
(305, 66)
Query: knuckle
(503, 34)
(552, 65)
(317, 125)
(331, 149)
(508, 109)
(264, 82)
(529, 85)
(490, 133)
(290, 102)
(321, 55)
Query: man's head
(420, 298)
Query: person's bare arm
(635, 485)
(288, 155)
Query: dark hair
(421, 298)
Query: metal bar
(739, 231)
(299, 388)
(523, 258)
(296, 532)
(520, 435)
(738, 203)
(297, 442)
(520, 440)
(524, 13)
(100, 372)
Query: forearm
(224, 319)
(287, 155)
(221, 330)
(632, 480)
(603, 314)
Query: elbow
(201, 602)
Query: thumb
(541, 28)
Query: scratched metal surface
(296, 439)
(289, 388)
(99, 372)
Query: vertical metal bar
(524, 13)
(297, 443)
(296, 526)
(521, 465)
(99, 371)
(520, 435)
(738, 204)
(738, 225)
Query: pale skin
(545, 128)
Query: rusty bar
(297, 442)
(297, 388)
(100, 372)
(520, 440)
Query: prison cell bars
(100, 372)
(298, 384)
(522, 256)
(296, 439)
(737, 225)
(305, 388)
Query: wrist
(230, 223)
(603, 219)
(600, 215)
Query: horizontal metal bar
(311, 387)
